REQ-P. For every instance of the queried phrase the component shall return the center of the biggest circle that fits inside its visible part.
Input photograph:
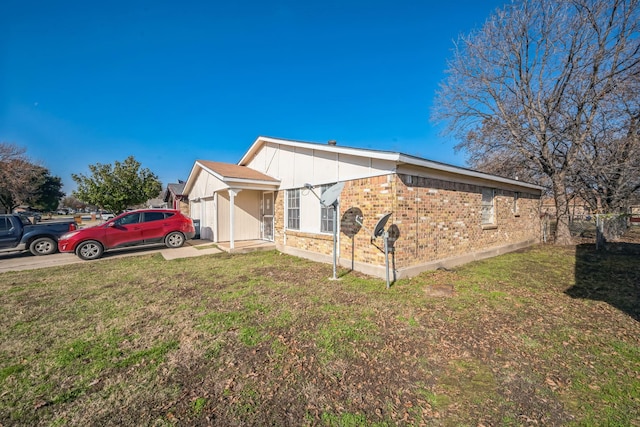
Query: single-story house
(175, 198)
(441, 215)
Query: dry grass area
(547, 336)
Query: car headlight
(68, 235)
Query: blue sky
(170, 82)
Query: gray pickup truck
(18, 234)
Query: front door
(267, 216)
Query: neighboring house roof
(173, 189)
(397, 157)
(176, 188)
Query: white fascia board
(192, 177)
(382, 155)
(465, 172)
(244, 183)
(399, 158)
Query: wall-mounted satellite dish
(331, 194)
(379, 228)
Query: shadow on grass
(611, 275)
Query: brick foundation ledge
(379, 270)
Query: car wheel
(43, 246)
(89, 250)
(174, 240)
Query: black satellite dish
(379, 228)
(349, 224)
(378, 231)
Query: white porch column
(233, 192)
(216, 232)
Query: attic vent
(332, 142)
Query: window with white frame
(488, 206)
(326, 214)
(293, 209)
(516, 196)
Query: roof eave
(245, 181)
(191, 179)
(465, 172)
(381, 155)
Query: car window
(133, 218)
(5, 224)
(25, 220)
(169, 214)
(153, 216)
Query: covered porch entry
(234, 204)
(244, 216)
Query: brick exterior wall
(434, 219)
(441, 219)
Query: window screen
(488, 209)
(293, 209)
(326, 214)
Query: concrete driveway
(26, 261)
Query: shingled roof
(229, 170)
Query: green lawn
(546, 336)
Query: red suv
(139, 227)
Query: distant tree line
(115, 187)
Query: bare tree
(531, 86)
(20, 179)
(73, 203)
(607, 174)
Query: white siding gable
(205, 185)
(296, 165)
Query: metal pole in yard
(335, 237)
(386, 255)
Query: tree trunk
(563, 234)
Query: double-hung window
(326, 213)
(293, 209)
(488, 216)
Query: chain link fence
(598, 229)
(610, 227)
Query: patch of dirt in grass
(439, 290)
(432, 372)
(265, 339)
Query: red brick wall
(318, 243)
(436, 220)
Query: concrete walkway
(191, 248)
(25, 261)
